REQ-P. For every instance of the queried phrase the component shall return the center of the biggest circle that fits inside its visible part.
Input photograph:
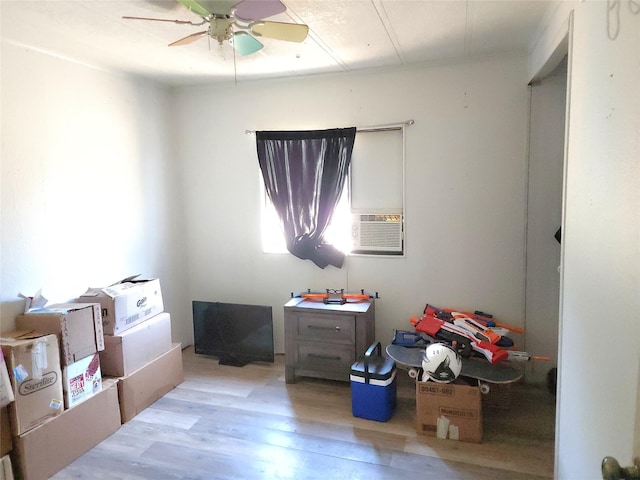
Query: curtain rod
(372, 128)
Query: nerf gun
(485, 318)
(335, 296)
(465, 342)
(496, 336)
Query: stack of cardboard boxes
(137, 339)
(77, 371)
(54, 375)
(78, 329)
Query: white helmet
(441, 363)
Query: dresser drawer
(326, 328)
(328, 357)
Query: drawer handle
(324, 357)
(315, 327)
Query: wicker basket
(498, 398)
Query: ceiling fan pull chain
(235, 69)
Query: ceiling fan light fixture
(220, 28)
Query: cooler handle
(375, 346)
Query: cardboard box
(147, 384)
(126, 303)
(6, 392)
(52, 446)
(81, 380)
(6, 472)
(33, 362)
(135, 347)
(77, 325)
(6, 439)
(449, 410)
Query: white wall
(89, 188)
(599, 395)
(465, 188)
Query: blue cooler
(373, 386)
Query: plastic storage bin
(373, 386)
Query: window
(369, 218)
(338, 233)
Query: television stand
(232, 361)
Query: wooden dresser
(323, 340)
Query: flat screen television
(236, 334)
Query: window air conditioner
(377, 233)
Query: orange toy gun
(477, 328)
(485, 318)
(465, 341)
(335, 296)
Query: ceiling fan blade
(250, 10)
(218, 7)
(160, 5)
(195, 7)
(180, 22)
(245, 44)
(290, 32)
(188, 39)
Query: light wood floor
(228, 422)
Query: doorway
(544, 218)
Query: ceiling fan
(237, 22)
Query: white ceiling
(344, 35)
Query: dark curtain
(304, 174)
